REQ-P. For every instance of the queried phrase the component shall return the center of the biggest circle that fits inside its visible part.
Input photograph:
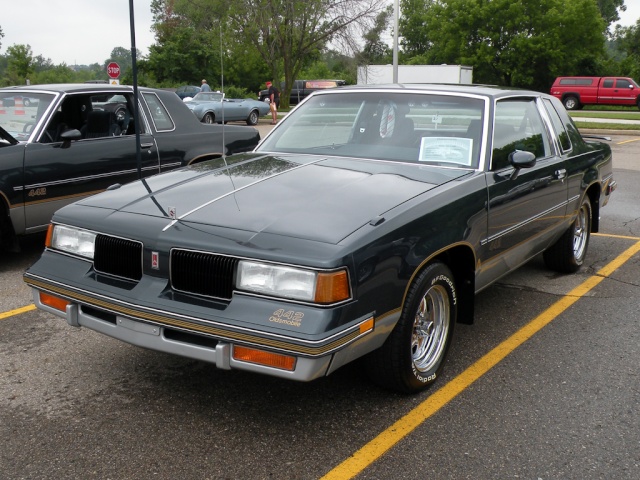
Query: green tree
(19, 65)
(376, 51)
(290, 33)
(522, 44)
(609, 10)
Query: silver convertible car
(361, 227)
(214, 107)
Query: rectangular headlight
(276, 280)
(73, 240)
(293, 283)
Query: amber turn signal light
(54, 302)
(332, 287)
(260, 357)
(47, 240)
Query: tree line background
(239, 44)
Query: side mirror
(68, 136)
(521, 159)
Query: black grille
(119, 257)
(203, 273)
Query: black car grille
(203, 273)
(119, 257)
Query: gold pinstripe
(220, 333)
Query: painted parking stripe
(17, 311)
(377, 447)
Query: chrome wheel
(581, 233)
(253, 117)
(430, 328)
(414, 354)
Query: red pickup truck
(574, 92)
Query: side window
(120, 105)
(71, 114)
(517, 126)
(608, 83)
(159, 114)
(558, 126)
(622, 83)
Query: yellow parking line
(622, 237)
(629, 141)
(403, 427)
(17, 311)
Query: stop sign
(113, 70)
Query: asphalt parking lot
(545, 385)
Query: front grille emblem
(155, 261)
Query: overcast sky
(86, 31)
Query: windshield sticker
(446, 150)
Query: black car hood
(313, 197)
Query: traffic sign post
(113, 70)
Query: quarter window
(558, 126)
(159, 114)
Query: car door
(58, 173)
(234, 110)
(624, 92)
(527, 205)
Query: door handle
(561, 174)
(146, 145)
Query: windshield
(424, 128)
(208, 97)
(20, 112)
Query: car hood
(312, 197)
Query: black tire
(568, 253)
(208, 118)
(414, 354)
(571, 102)
(26, 102)
(253, 117)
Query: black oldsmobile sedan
(70, 141)
(361, 226)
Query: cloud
(74, 32)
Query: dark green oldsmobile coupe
(69, 141)
(361, 226)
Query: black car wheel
(253, 117)
(26, 102)
(413, 356)
(208, 118)
(571, 103)
(568, 253)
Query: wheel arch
(593, 192)
(8, 238)
(461, 260)
(203, 158)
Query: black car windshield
(20, 112)
(422, 128)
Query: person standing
(205, 86)
(274, 97)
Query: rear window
(322, 84)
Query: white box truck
(379, 74)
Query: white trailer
(379, 74)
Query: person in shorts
(274, 98)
